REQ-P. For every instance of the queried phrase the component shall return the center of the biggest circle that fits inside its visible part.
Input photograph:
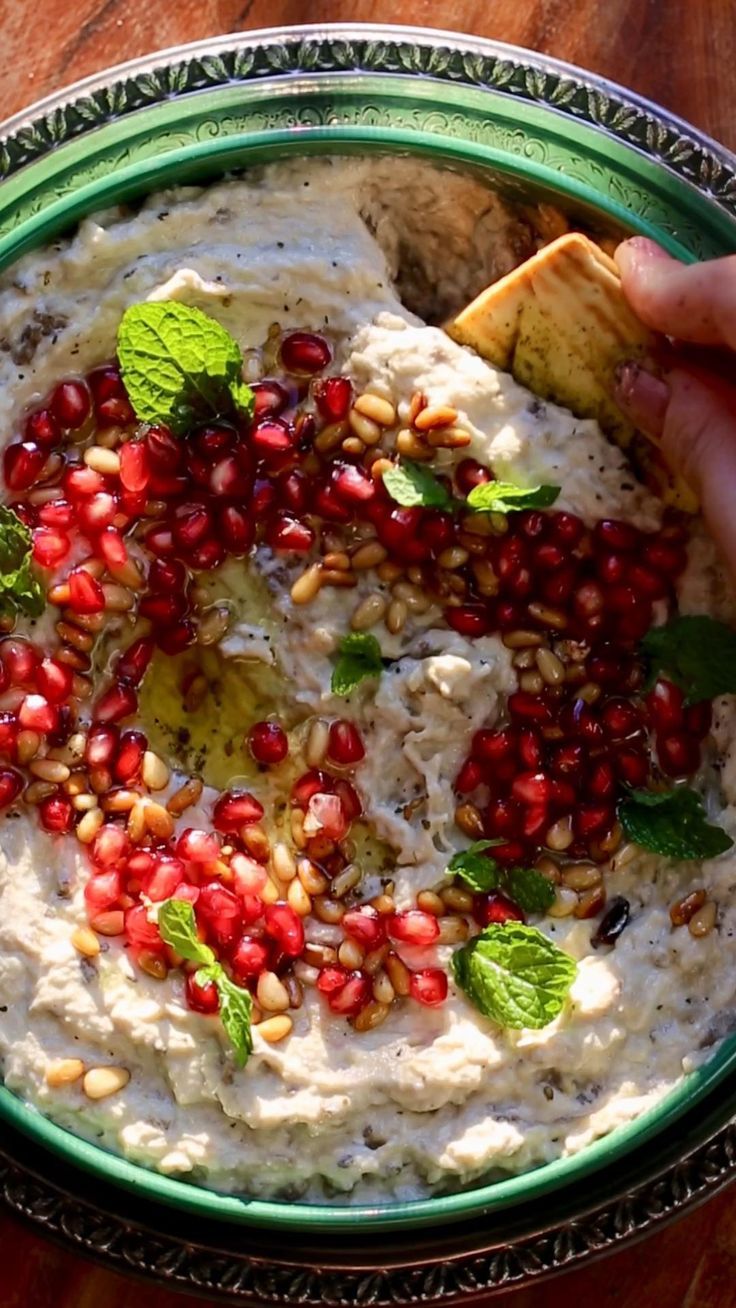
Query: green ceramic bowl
(535, 128)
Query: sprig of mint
(514, 975)
(20, 591)
(412, 484)
(178, 927)
(358, 656)
(673, 823)
(481, 874)
(698, 653)
(504, 497)
(179, 366)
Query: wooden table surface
(679, 52)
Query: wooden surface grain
(681, 53)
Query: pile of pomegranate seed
(123, 518)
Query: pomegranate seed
(118, 702)
(310, 783)
(589, 599)
(235, 809)
(201, 998)
(141, 933)
(211, 442)
(400, 530)
(528, 707)
(591, 819)
(503, 818)
(333, 397)
(558, 587)
(496, 907)
(469, 777)
(161, 880)
(54, 680)
(8, 734)
(353, 485)
(494, 746)
(250, 877)
(70, 404)
(549, 556)
(81, 483)
(665, 704)
(105, 383)
(678, 754)
(11, 784)
(163, 610)
(50, 547)
(20, 661)
(344, 744)
(327, 505)
(287, 533)
(135, 471)
(36, 714)
(56, 813)
(531, 788)
(85, 592)
(469, 621)
(353, 996)
(164, 451)
(227, 478)
(305, 352)
(197, 846)
(22, 463)
(567, 528)
(192, 523)
(268, 743)
(166, 575)
(365, 925)
(271, 398)
(102, 745)
(285, 927)
(562, 793)
(530, 749)
(620, 719)
(133, 662)
(413, 927)
(237, 529)
(112, 547)
(469, 474)
(160, 541)
(42, 428)
(510, 852)
(207, 556)
(110, 846)
(249, 958)
(294, 490)
(600, 781)
(615, 535)
(331, 979)
(102, 892)
(579, 719)
(698, 718)
(133, 745)
(428, 986)
(664, 557)
(326, 816)
(612, 568)
(270, 438)
(116, 412)
(350, 800)
(187, 892)
(97, 512)
(632, 767)
(644, 581)
(59, 513)
(221, 913)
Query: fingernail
(638, 253)
(642, 397)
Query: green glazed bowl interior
(536, 129)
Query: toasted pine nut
(283, 862)
(271, 893)
(456, 898)
(100, 780)
(469, 820)
(379, 466)
(396, 616)
(59, 594)
(365, 428)
(27, 745)
(271, 993)
(73, 658)
(128, 574)
(435, 416)
(330, 437)
(414, 599)
(336, 577)
(158, 821)
(583, 876)
(453, 557)
(548, 616)
(274, 1029)
(430, 902)
(521, 639)
(345, 881)
(398, 973)
(353, 445)
(185, 796)
(453, 930)
(154, 772)
(448, 438)
(297, 828)
(153, 965)
(566, 902)
(77, 784)
(213, 625)
(551, 668)
(118, 599)
(37, 791)
(702, 922)
(306, 974)
(479, 524)
(81, 686)
(314, 881)
(315, 747)
(110, 923)
(370, 611)
(106, 462)
(377, 408)
(373, 961)
(47, 769)
(298, 899)
(411, 446)
(85, 941)
(196, 693)
(485, 578)
(73, 635)
(590, 692)
(337, 559)
(350, 954)
(307, 586)
(85, 803)
(416, 404)
(531, 682)
(383, 991)
(120, 801)
(684, 909)
(560, 835)
(319, 955)
(370, 1017)
(368, 555)
(328, 910)
(63, 1071)
(590, 902)
(100, 1082)
(89, 825)
(136, 826)
(384, 904)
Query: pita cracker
(560, 324)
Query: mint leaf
(504, 497)
(413, 484)
(698, 653)
(179, 366)
(478, 872)
(514, 975)
(530, 890)
(673, 823)
(359, 656)
(178, 927)
(236, 1008)
(20, 591)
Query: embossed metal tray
(538, 129)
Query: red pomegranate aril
(345, 745)
(160, 541)
(271, 398)
(165, 576)
(102, 745)
(548, 556)
(105, 383)
(349, 798)
(249, 877)
(612, 568)
(268, 743)
(161, 881)
(228, 478)
(308, 784)
(567, 528)
(20, 661)
(119, 702)
(503, 817)
(333, 397)
(619, 719)
(207, 557)
(632, 766)
(70, 404)
(59, 514)
(112, 547)
(558, 587)
(174, 640)
(530, 749)
(589, 599)
(115, 412)
(400, 531)
(86, 595)
(163, 610)
(469, 474)
(678, 754)
(235, 809)
(97, 512)
(529, 708)
(284, 926)
(192, 524)
(365, 925)
(56, 814)
(221, 912)
(428, 986)
(135, 469)
(164, 451)
(664, 556)
(263, 498)
(326, 816)
(103, 891)
(271, 438)
(42, 428)
(305, 352)
(237, 529)
(494, 746)
(413, 927)
(201, 998)
(133, 662)
(139, 932)
(249, 958)
(132, 504)
(22, 464)
(8, 734)
(591, 819)
(600, 781)
(11, 784)
(612, 534)
(511, 852)
(289, 534)
(133, 745)
(81, 483)
(36, 714)
(469, 777)
(469, 621)
(698, 718)
(353, 485)
(50, 547)
(535, 822)
(327, 505)
(110, 846)
(563, 794)
(331, 979)
(579, 719)
(665, 705)
(197, 846)
(65, 724)
(646, 582)
(531, 788)
(496, 907)
(293, 491)
(354, 995)
(54, 680)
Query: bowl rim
(481, 1199)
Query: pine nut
(271, 893)
(684, 909)
(560, 835)
(154, 772)
(27, 745)
(368, 430)
(47, 769)
(430, 902)
(59, 594)
(345, 881)
(283, 862)
(120, 801)
(581, 877)
(271, 993)
(85, 803)
(73, 659)
(110, 923)
(185, 796)
(118, 599)
(383, 991)
(469, 820)
(337, 559)
(389, 572)
(350, 955)
(158, 821)
(416, 404)
(213, 626)
(330, 437)
(448, 438)
(551, 668)
(100, 780)
(531, 682)
(378, 465)
(453, 930)
(100, 1082)
(314, 881)
(566, 902)
(128, 574)
(373, 961)
(328, 910)
(195, 693)
(411, 446)
(370, 1017)
(485, 578)
(384, 904)
(456, 898)
(453, 557)
(106, 462)
(298, 899)
(398, 973)
(396, 616)
(85, 941)
(74, 636)
(136, 825)
(590, 902)
(306, 974)
(702, 922)
(297, 828)
(415, 599)
(608, 844)
(63, 1071)
(479, 524)
(525, 658)
(377, 408)
(110, 437)
(81, 686)
(590, 692)
(336, 577)
(37, 791)
(315, 747)
(435, 415)
(307, 586)
(153, 965)
(370, 611)
(368, 555)
(548, 616)
(274, 1029)
(521, 639)
(89, 825)
(353, 445)
(319, 955)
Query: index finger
(693, 302)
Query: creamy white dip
(434, 1097)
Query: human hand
(691, 407)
